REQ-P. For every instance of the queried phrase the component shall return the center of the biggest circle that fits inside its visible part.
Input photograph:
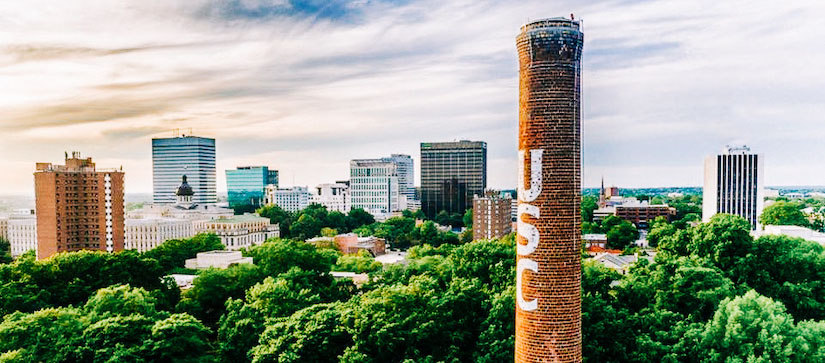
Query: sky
(305, 86)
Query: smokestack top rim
(555, 22)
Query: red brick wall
(71, 207)
(549, 120)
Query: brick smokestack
(548, 281)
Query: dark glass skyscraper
(185, 155)
(548, 250)
(451, 174)
(245, 185)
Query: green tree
(724, 240)
(174, 253)
(360, 263)
(466, 236)
(118, 338)
(279, 216)
(393, 228)
(179, 338)
(315, 334)
(267, 302)
(207, 297)
(120, 300)
(587, 207)
(5, 251)
(784, 214)
(468, 218)
(48, 335)
(419, 321)
(238, 331)
(442, 218)
(70, 278)
(305, 227)
(277, 256)
(337, 221)
(789, 270)
(750, 328)
(358, 217)
(496, 342)
(621, 235)
(659, 229)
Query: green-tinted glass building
(245, 185)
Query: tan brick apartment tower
(491, 215)
(548, 269)
(78, 207)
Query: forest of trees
(712, 294)
(399, 232)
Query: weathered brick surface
(549, 119)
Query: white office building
(374, 187)
(4, 227)
(405, 169)
(240, 231)
(334, 196)
(145, 234)
(22, 233)
(734, 184)
(289, 199)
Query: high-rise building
(451, 174)
(334, 196)
(374, 186)
(734, 184)
(491, 215)
(289, 199)
(246, 185)
(78, 207)
(548, 257)
(405, 168)
(184, 155)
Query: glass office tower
(451, 174)
(246, 185)
(184, 155)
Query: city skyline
(305, 89)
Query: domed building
(184, 194)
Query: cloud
(305, 85)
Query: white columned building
(734, 184)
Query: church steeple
(602, 201)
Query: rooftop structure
(620, 263)
(351, 243)
(792, 231)
(217, 259)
